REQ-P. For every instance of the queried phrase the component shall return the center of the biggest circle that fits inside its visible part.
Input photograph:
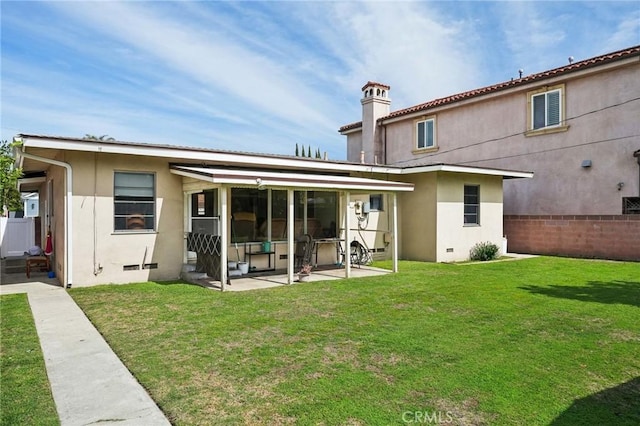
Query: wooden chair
(38, 261)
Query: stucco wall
(99, 253)
(372, 230)
(53, 217)
(454, 238)
(603, 127)
(418, 218)
(354, 146)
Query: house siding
(431, 217)
(601, 110)
(96, 241)
(418, 219)
(607, 137)
(455, 240)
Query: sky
(263, 76)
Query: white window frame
(547, 127)
(424, 122)
(152, 202)
(476, 205)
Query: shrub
(484, 251)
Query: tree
(318, 155)
(297, 152)
(9, 175)
(106, 138)
(309, 152)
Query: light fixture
(586, 163)
(620, 185)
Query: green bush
(484, 251)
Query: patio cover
(262, 179)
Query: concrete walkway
(90, 385)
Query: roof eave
(452, 168)
(198, 155)
(262, 179)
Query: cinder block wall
(614, 237)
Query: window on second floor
(546, 109)
(425, 134)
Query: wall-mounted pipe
(68, 211)
(637, 155)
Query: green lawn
(538, 341)
(25, 396)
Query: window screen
(471, 205)
(134, 201)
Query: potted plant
(305, 272)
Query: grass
(25, 396)
(537, 341)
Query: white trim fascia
(29, 181)
(466, 169)
(177, 154)
(263, 179)
(250, 160)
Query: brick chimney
(375, 104)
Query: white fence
(17, 235)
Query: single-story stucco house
(122, 212)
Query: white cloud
(262, 76)
(626, 34)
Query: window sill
(471, 225)
(546, 131)
(424, 150)
(136, 232)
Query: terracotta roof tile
(576, 66)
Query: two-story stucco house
(577, 127)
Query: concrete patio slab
(257, 282)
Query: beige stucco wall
(354, 146)
(491, 132)
(95, 242)
(432, 218)
(54, 221)
(418, 218)
(371, 232)
(454, 239)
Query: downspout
(68, 213)
(637, 155)
(384, 141)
